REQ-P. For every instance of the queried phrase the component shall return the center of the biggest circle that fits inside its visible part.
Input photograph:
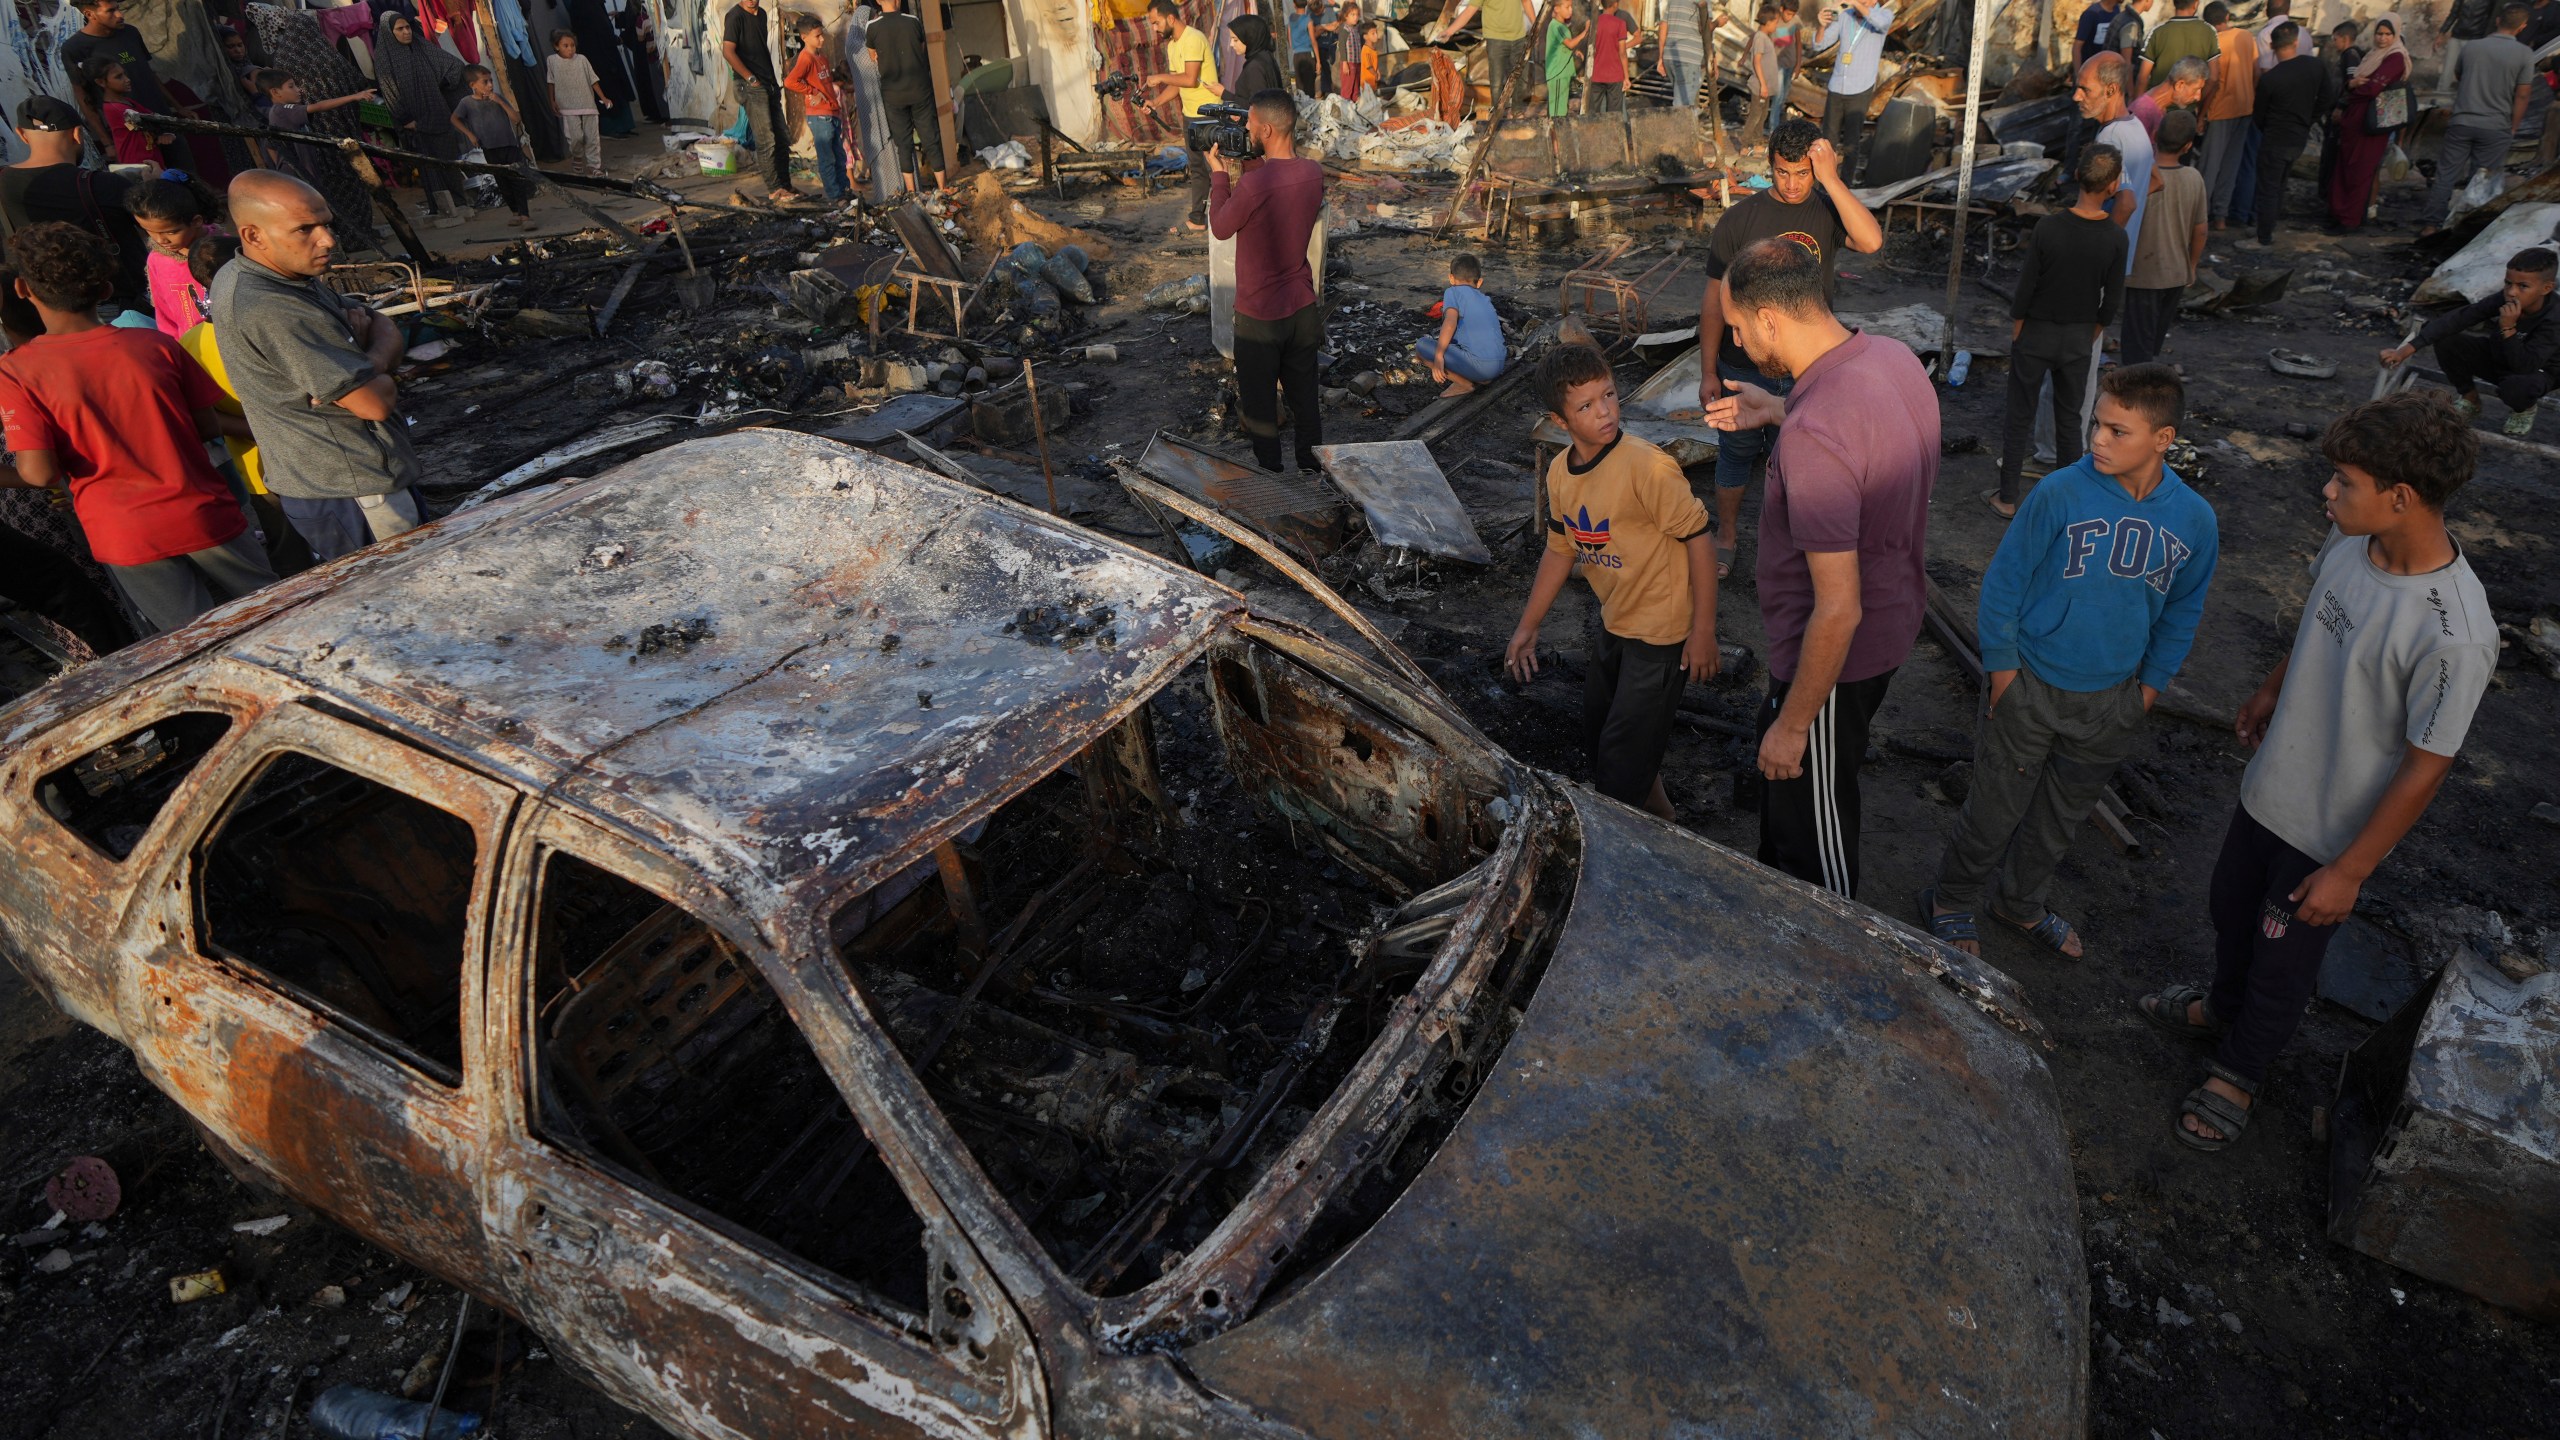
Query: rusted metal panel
(1742, 1170)
(1298, 515)
(2445, 1138)
(1407, 500)
(778, 654)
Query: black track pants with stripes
(1809, 825)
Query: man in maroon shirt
(1843, 527)
(120, 417)
(1279, 322)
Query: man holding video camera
(1268, 204)
(1190, 79)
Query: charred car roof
(764, 647)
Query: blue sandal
(1953, 927)
(2050, 931)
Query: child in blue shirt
(1468, 351)
(2087, 612)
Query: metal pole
(1964, 177)
(1040, 428)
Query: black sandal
(2167, 1011)
(2214, 1110)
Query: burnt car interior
(110, 795)
(1133, 987)
(351, 894)
(662, 1052)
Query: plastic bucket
(718, 157)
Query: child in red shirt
(173, 219)
(110, 91)
(120, 416)
(813, 79)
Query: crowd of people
(216, 415)
(120, 397)
(2096, 593)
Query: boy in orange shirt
(1620, 511)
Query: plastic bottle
(1962, 367)
(351, 1412)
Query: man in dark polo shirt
(313, 374)
(1842, 533)
(746, 42)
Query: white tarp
(2477, 270)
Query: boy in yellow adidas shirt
(1620, 511)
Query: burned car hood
(1756, 1163)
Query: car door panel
(339, 1116)
(685, 1315)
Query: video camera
(1221, 128)
(1116, 86)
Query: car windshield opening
(1133, 986)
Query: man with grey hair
(313, 372)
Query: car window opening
(353, 896)
(110, 795)
(662, 1051)
(1133, 987)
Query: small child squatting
(1622, 513)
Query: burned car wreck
(833, 951)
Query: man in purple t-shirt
(1842, 530)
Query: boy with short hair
(489, 123)
(285, 111)
(2067, 295)
(2087, 611)
(575, 93)
(2355, 732)
(2171, 246)
(2516, 352)
(813, 79)
(1468, 351)
(120, 416)
(1620, 511)
(1613, 34)
(1768, 92)
(1559, 63)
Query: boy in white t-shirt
(575, 95)
(2355, 731)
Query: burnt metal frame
(551, 1169)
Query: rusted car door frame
(1220, 1282)
(561, 1217)
(334, 1114)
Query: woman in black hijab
(1260, 69)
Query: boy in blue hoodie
(2086, 614)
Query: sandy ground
(2218, 1305)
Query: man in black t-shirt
(896, 40)
(2292, 96)
(1806, 202)
(50, 185)
(746, 42)
(103, 32)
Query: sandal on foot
(2212, 1109)
(2052, 931)
(2167, 1010)
(1952, 926)
(1992, 499)
(1724, 559)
